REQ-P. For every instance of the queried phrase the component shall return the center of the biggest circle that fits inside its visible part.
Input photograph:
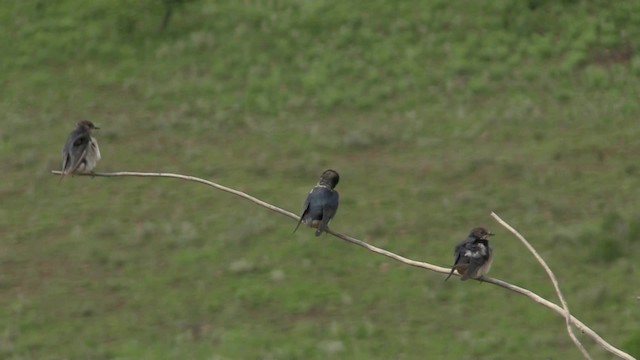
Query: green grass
(435, 114)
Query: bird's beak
(490, 234)
(96, 128)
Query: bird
(473, 256)
(80, 153)
(321, 204)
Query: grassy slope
(435, 113)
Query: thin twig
(533, 296)
(565, 306)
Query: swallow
(473, 256)
(321, 204)
(80, 153)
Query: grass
(434, 113)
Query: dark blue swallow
(321, 204)
(473, 256)
(80, 152)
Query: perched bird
(80, 153)
(473, 256)
(321, 204)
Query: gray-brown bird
(322, 202)
(81, 152)
(473, 256)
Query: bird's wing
(76, 143)
(66, 160)
(66, 152)
(459, 255)
(476, 259)
(79, 151)
(79, 160)
(329, 210)
(305, 209)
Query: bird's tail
(62, 174)
(297, 226)
(451, 273)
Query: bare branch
(533, 296)
(565, 306)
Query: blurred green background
(435, 113)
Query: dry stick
(533, 296)
(565, 306)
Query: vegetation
(434, 112)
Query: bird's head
(329, 178)
(87, 125)
(480, 233)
